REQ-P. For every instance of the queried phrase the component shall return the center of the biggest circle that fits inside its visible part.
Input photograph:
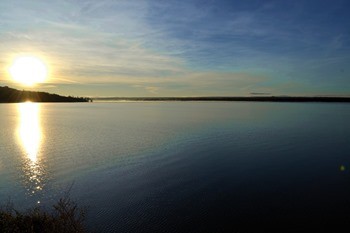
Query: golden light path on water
(30, 137)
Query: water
(181, 166)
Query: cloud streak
(179, 47)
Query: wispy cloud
(85, 51)
(181, 47)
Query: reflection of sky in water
(246, 160)
(30, 137)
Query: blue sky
(181, 48)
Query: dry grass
(65, 217)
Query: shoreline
(228, 98)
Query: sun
(28, 70)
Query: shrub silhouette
(66, 217)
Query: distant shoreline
(11, 95)
(228, 98)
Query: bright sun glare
(28, 70)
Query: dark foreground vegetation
(10, 95)
(65, 217)
(229, 98)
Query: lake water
(181, 166)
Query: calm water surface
(181, 166)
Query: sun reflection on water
(30, 137)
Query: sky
(181, 48)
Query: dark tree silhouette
(10, 95)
